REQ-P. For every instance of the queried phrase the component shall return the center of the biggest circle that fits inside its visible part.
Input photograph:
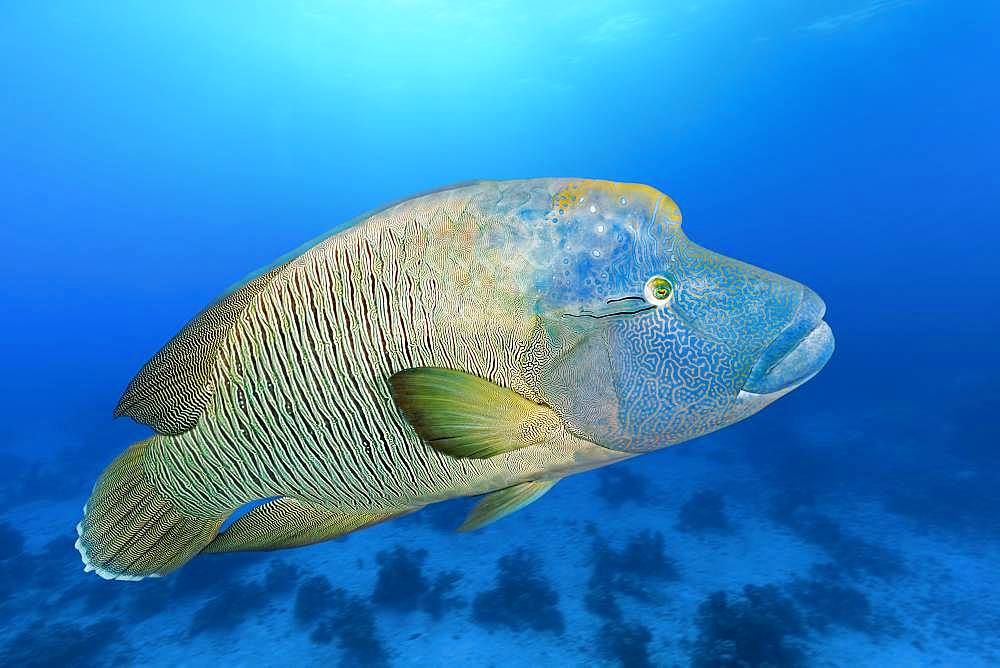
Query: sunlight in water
(384, 294)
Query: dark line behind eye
(621, 299)
(606, 315)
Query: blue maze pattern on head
(638, 375)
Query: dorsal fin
(346, 225)
(171, 390)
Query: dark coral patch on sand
(522, 598)
(60, 644)
(755, 629)
(621, 484)
(335, 616)
(627, 644)
(705, 511)
(635, 570)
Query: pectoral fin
(463, 415)
(503, 502)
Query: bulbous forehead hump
(588, 239)
(615, 199)
(563, 201)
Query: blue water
(151, 154)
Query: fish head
(657, 340)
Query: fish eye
(659, 290)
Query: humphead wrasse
(485, 339)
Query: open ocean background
(151, 154)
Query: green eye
(659, 290)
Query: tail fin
(130, 531)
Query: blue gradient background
(153, 153)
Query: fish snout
(798, 353)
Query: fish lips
(798, 353)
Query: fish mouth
(798, 353)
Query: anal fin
(503, 502)
(286, 522)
